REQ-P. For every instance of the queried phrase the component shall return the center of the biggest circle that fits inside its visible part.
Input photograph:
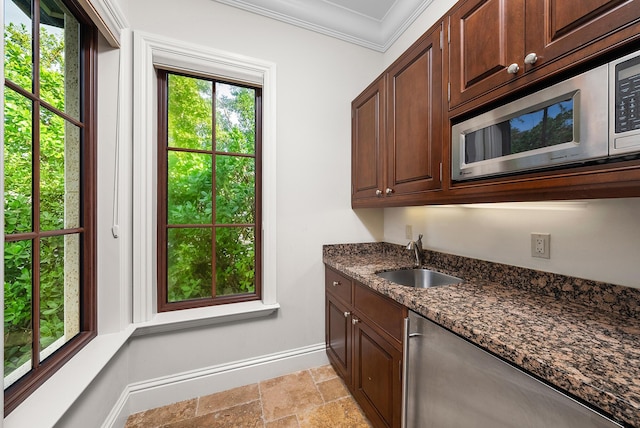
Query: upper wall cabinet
(494, 43)
(487, 36)
(367, 142)
(397, 129)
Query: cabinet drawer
(380, 310)
(338, 285)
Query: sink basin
(419, 278)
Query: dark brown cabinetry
(401, 137)
(364, 331)
(486, 36)
(397, 129)
(496, 44)
(368, 142)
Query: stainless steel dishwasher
(451, 383)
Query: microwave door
(487, 143)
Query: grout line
(264, 420)
(197, 406)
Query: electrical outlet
(408, 231)
(541, 245)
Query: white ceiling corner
(374, 24)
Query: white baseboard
(170, 389)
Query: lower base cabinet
(364, 340)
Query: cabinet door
(367, 140)
(557, 27)
(486, 37)
(414, 118)
(338, 336)
(377, 377)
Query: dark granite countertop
(582, 336)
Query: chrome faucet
(416, 246)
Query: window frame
(163, 305)
(27, 384)
(151, 51)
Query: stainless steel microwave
(594, 116)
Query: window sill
(47, 404)
(210, 315)
(56, 396)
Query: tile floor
(309, 398)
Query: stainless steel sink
(419, 278)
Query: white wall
(317, 77)
(595, 239)
(436, 10)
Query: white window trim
(150, 50)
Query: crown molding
(335, 21)
(108, 17)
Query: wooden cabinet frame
(569, 38)
(364, 337)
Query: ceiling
(374, 24)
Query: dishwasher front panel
(451, 383)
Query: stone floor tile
(286, 422)
(332, 389)
(288, 395)
(226, 399)
(343, 413)
(247, 415)
(163, 415)
(322, 373)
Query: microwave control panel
(627, 108)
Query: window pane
(17, 163)
(189, 188)
(59, 57)
(18, 37)
(17, 310)
(59, 292)
(189, 113)
(59, 172)
(235, 189)
(235, 260)
(188, 264)
(235, 119)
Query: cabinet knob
(346, 314)
(531, 58)
(513, 68)
(389, 191)
(378, 192)
(355, 321)
(336, 283)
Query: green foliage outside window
(228, 220)
(18, 153)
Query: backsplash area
(595, 239)
(598, 295)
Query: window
(209, 240)
(49, 183)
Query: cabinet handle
(355, 321)
(389, 191)
(513, 68)
(336, 283)
(346, 314)
(378, 192)
(531, 58)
